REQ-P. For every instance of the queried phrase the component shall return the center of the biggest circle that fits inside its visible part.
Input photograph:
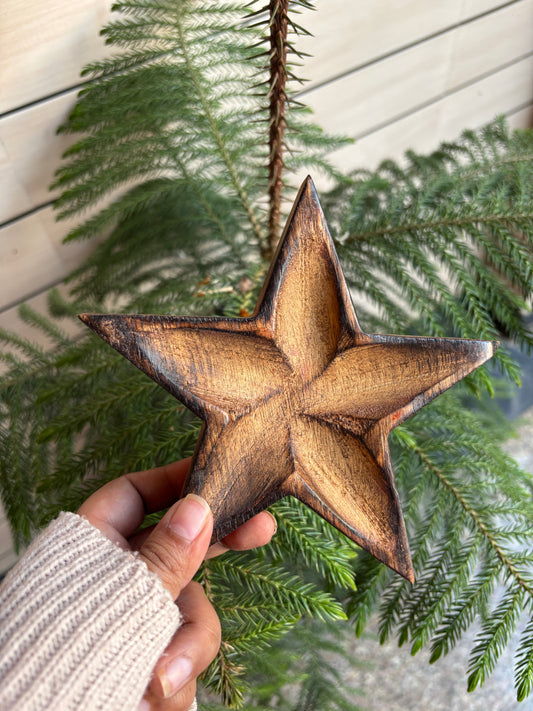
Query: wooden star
(297, 399)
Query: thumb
(178, 544)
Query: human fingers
(254, 533)
(193, 647)
(119, 507)
(162, 486)
(178, 544)
(183, 700)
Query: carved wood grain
(297, 399)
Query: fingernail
(274, 520)
(189, 517)
(174, 676)
(144, 706)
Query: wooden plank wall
(400, 75)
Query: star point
(297, 399)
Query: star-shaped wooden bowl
(297, 399)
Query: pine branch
(478, 522)
(468, 520)
(426, 226)
(495, 636)
(259, 579)
(239, 188)
(312, 540)
(458, 226)
(524, 664)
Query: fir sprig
(194, 140)
(467, 533)
(437, 237)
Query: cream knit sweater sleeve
(82, 623)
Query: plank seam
(520, 107)
(510, 112)
(27, 213)
(32, 294)
(353, 70)
(440, 97)
(50, 97)
(405, 47)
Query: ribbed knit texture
(82, 623)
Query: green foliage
(182, 115)
(437, 239)
(174, 141)
(313, 656)
(468, 516)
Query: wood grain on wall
(44, 44)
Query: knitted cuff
(82, 623)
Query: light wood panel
(491, 42)
(44, 44)
(359, 102)
(347, 35)
(31, 151)
(446, 118)
(11, 321)
(32, 256)
(522, 118)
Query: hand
(174, 550)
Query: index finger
(162, 486)
(121, 505)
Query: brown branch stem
(278, 10)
